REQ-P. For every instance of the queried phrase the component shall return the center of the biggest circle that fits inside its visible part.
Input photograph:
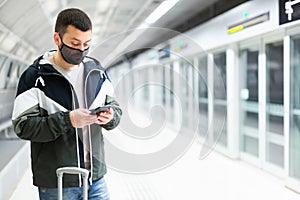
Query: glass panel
(202, 92)
(184, 71)
(250, 145)
(157, 89)
(202, 79)
(2, 59)
(220, 76)
(277, 124)
(220, 121)
(276, 154)
(274, 104)
(171, 86)
(144, 75)
(164, 89)
(294, 146)
(220, 97)
(251, 121)
(5, 69)
(249, 100)
(12, 78)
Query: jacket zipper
(77, 146)
(76, 132)
(89, 128)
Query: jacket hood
(44, 66)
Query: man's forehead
(78, 35)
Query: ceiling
(26, 29)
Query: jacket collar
(46, 68)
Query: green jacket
(41, 114)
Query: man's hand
(82, 117)
(105, 117)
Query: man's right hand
(82, 117)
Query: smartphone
(99, 110)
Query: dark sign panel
(288, 12)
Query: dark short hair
(72, 16)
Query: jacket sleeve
(30, 118)
(117, 113)
(31, 126)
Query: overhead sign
(164, 52)
(248, 23)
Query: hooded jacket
(43, 102)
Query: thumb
(85, 111)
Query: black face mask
(72, 55)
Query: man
(52, 111)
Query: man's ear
(56, 38)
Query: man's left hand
(105, 117)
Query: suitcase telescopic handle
(72, 170)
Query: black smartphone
(99, 110)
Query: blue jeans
(97, 191)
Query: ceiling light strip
(162, 9)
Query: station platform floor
(216, 177)
(213, 178)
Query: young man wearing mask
(52, 111)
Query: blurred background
(210, 92)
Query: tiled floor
(214, 178)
